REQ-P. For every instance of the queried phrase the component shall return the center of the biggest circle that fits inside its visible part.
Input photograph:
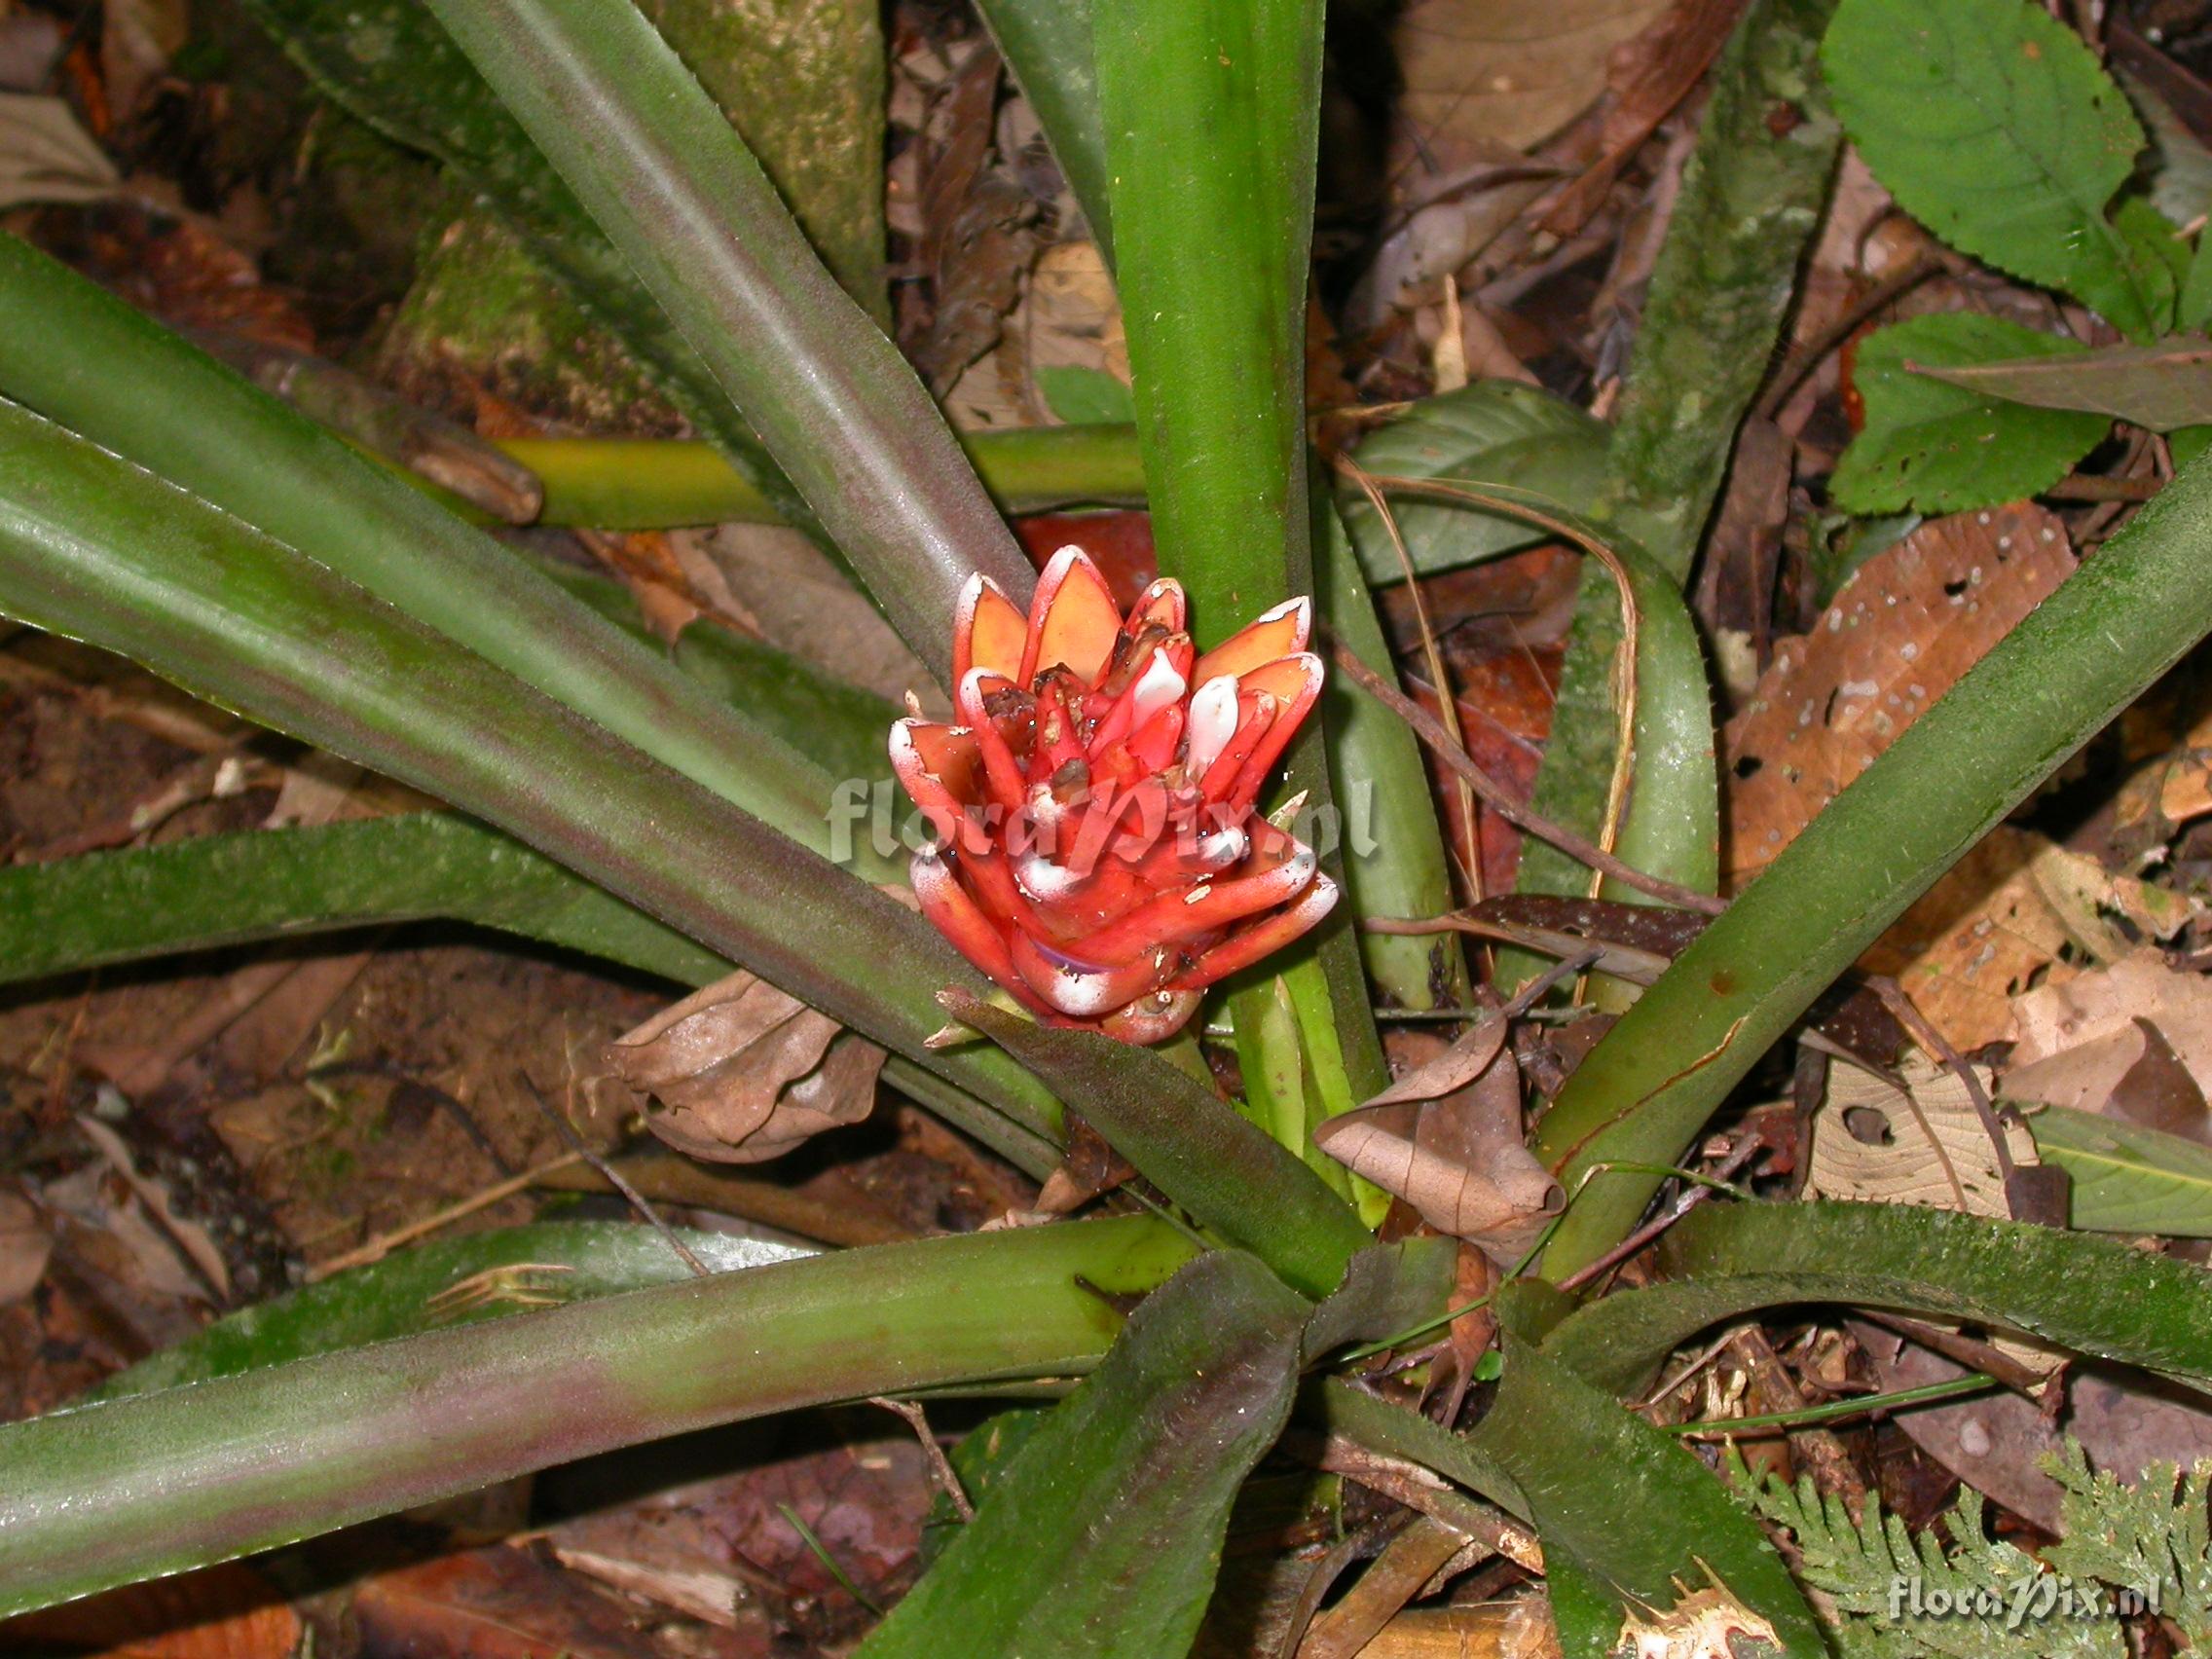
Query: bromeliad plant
(1101, 854)
(154, 503)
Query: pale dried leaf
(744, 1072)
(2093, 1006)
(1998, 923)
(46, 156)
(1908, 623)
(24, 1245)
(1869, 1143)
(1454, 1069)
(1703, 1625)
(2131, 1073)
(1451, 1197)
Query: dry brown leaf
(227, 1612)
(24, 1245)
(1875, 1145)
(1649, 76)
(744, 1072)
(1459, 1159)
(2131, 1073)
(1903, 629)
(1503, 72)
(1454, 1069)
(1997, 923)
(189, 1237)
(1467, 1203)
(2095, 1008)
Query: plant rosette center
(1098, 849)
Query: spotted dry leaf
(1999, 923)
(745, 1073)
(1904, 628)
(1872, 1144)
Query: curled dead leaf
(744, 1072)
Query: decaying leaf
(2130, 1072)
(1877, 1143)
(46, 156)
(24, 1245)
(1901, 631)
(1998, 924)
(1454, 1069)
(744, 1072)
(2097, 1008)
(1506, 73)
(1459, 1159)
(1703, 1624)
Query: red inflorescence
(1100, 852)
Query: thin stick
(947, 1480)
(1724, 1428)
(376, 1248)
(1501, 800)
(1903, 279)
(614, 1178)
(1624, 741)
(1447, 702)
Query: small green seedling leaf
(1993, 125)
(1939, 448)
(2127, 1178)
(1086, 397)
(1489, 433)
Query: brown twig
(941, 1470)
(1501, 800)
(376, 1248)
(1447, 703)
(630, 1195)
(2091, 487)
(1898, 282)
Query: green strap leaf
(2088, 652)
(1629, 1511)
(265, 463)
(674, 187)
(1391, 844)
(163, 1482)
(95, 549)
(444, 1283)
(1181, 1136)
(1939, 444)
(1103, 1535)
(2094, 1296)
(1993, 125)
(1211, 110)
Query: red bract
(1100, 852)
